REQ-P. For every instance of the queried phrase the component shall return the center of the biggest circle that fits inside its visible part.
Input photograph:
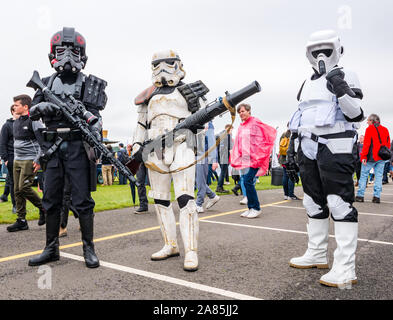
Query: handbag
(384, 153)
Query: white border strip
(286, 230)
(171, 280)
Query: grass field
(109, 198)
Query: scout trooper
(160, 108)
(325, 122)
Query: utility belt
(336, 143)
(66, 134)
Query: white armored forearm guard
(351, 106)
(141, 128)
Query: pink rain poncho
(253, 145)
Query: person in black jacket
(71, 157)
(7, 155)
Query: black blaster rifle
(80, 118)
(197, 119)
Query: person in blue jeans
(376, 136)
(247, 180)
(205, 141)
(378, 173)
(243, 187)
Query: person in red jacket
(370, 158)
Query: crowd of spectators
(244, 158)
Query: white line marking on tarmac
(382, 193)
(362, 213)
(381, 201)
(286, 230)
(171, 280)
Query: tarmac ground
(239, 258)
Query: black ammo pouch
(70, 135)
(94, 93)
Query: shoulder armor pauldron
(145, 95)
(192, 92)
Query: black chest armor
(23, 129)
(89, 90)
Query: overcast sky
(226, 44)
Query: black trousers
(141, 178)
(223, 174)
(10, 181)
(329, 174)
(70, 159)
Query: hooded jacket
(253, 145)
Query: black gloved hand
(138, 155)
(96, 129)
(196, 127)
(44, 109)
(291, 166)
(337, 83)
(292, 171)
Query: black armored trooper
(65, 152)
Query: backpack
(284, 144)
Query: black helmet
(67, 51)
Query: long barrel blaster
(80, 118)
(198, 118)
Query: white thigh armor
(183, 181)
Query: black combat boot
(51, 251)
(19, 225)
(42, 219)
(86, 224)
(236, 189)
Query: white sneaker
(245, 214)
(211, 202)
(286, 198)
(244, 201)
(200, 209)
(253, 213)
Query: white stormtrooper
(325, 122)
(160, 108)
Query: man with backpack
(376, 136)
(288, 184)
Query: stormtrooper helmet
(67, 51)
(324, 50)
(167, 68)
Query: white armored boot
(343, 269)
(316, 254)
(166, 219)
(189, 228)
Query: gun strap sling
(232, 110)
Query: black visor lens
(326, 52)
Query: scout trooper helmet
(324, 50)
(167, 68)
(67, 51)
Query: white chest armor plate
(164, 112)
(317, 104)
(318, 113)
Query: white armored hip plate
(173, 105)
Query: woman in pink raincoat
(250, 154)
